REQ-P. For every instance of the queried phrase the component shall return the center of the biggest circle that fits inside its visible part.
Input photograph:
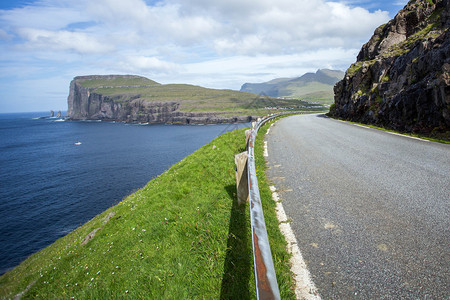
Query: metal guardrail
(265, 278)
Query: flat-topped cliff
(133, 98)
(402, 74)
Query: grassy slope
(116, 81)
(313, 92)
(303, 88)
(192, 98)
(309, 88)
(180, 237)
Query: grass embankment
(182, 236)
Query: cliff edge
(132, 98)
(402, 74)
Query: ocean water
(49, 185)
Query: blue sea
(49, 185)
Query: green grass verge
(182, 236)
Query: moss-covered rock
(401, 77)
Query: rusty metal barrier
(247, 187)
(265, 278)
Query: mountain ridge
(308, 85)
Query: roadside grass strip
(182, 236)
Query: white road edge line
(411, 137)
(266, 153)
(394, 133)
(304, 286)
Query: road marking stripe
(394, 133)
(304, 286)
(266, 153)
(411, 137)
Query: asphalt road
(370, 209)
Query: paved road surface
(370, 210)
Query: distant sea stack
(132, 98)
(401, 77)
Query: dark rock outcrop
(402, 75)
(84, 103)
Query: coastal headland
(131, 98)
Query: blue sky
(212, 43)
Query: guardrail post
(241, 177)
(248, 133)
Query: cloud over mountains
(178, 40)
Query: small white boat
(77, 143)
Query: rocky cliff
(117, 97)
(401, 77)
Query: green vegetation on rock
(354, 68)
(117, 81)
(137, 99)
(400, 76)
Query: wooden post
(248, 132)
(241, 177)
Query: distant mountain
(311, 86)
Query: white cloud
(4, 35)
(144, 64)
(232, 72)
(227, 27)
(301, 26)
(62, 40)
(215, 43)
(49, 15)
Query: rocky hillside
(401, 77)
(132, 98)
(310, 86)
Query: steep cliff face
(402, 75)
(85, 103)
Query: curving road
(370, 209)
